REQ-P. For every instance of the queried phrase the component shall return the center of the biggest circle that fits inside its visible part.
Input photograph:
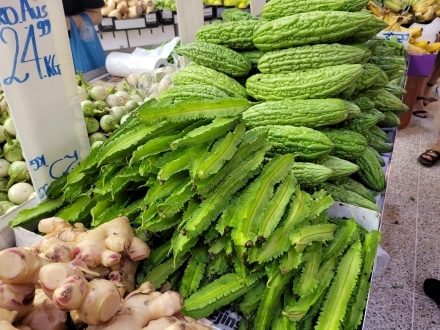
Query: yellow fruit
(432, 48)
(395, 6)
(412, 49)
(421, 43)
(415, 31)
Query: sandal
(427, 100)
(429, 157)
(420, 113)
(431, 287)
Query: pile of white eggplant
(104, 107)
(15, 182)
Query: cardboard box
(421, 65)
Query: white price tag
(39, 83)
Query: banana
(396, 26)
(412, 49)
(432, 48)
(414, 32)
(395, 6)
(377, 10)
(419, 43)
(421, 7)
(429, 15)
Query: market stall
(249, 188)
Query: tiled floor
(410, 227)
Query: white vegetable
(113, 100)
(124, 96)
(2, 134)
(10, 127)
(98, 92)
(4, 167)
(82, 93)
(19, 192)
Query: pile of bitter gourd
(231, 206)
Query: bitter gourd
(385, 101)
(311, 174)
(309, 113)
(305, 143)
(198, 74)
(315, 83)
(340, 167)
(348, 144)
(370, 171)
(279, 8)
(309, 28)
(182, 92)
(217, 57)
(235, 35)
(309, 57)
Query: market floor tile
(410, 225)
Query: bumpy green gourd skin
(393, 66)
(354, 5)
(309, 113)
(308, 28)
(279, 8)
(368, 77)
(309, 57)
(305, 143)
(351, 184)
(198, 74)
(385, 101)
(235, 35)
(180, 92)
(217, 57)
(391, 120)
(381, 80)
(348, 144)
(310, 174)
(370, 171)
(343, 195)
(309, 84)
(363, 102)
(340, 167)
(361, 123)
(395, 89)
(353, 109)
(253, 56)
(369, 29)
(378, 143)
(235, 14)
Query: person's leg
(431, 156)
(420, 102)
(432, 81)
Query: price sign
(39, 83)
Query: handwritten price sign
(39, 83)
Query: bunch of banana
(415, 45)
(241, 4)
(419, 10)
(389, 16)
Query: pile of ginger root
(78, 278)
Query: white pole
(256, 6)
(190, 18)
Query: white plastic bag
(381, 262)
